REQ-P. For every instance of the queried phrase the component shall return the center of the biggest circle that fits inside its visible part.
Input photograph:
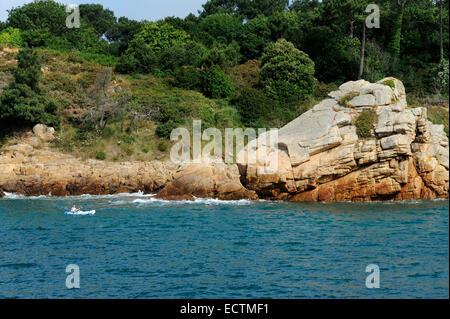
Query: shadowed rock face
(321, 158)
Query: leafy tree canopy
(285, 67)
(244, 9)
(97, 17)
(219, 27)
(23, 102)
(156, 36)
(44, 14)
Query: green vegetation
(286, 72)
(365, 122)
(217, 84)
(389, 83)
(23, 100)
(100, 155)
(439, 115)
(252, 105)
(11, 36)
(442, 76)
(345, 100)
(162, 146)
(120, 86)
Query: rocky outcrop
(321, 158)
(31, 168)
(214, 180)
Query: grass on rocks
(345, 100)
(365, 123)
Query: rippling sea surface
(139, 247)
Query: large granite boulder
(211, 180)
(323, 159)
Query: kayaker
(74, 209)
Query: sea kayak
(91, 212)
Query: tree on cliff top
(286, 72)
(23, 102)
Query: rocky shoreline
(320, 158)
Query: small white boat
(91, 212)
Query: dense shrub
(128, 139)
(188, 77)
(245, 75)
(11, 36)
(286, 72)
(365, 122)
(191, 53)
(127, 64)
(147, 45)
(100, 155)
(217, 84)
(36, 38)
(162, 146)
(23, 100)
(442, 76)
(222, 55)
(164, 129)
(253, 104)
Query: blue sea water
(139, 247)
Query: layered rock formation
(32, 168)
(321, 158)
